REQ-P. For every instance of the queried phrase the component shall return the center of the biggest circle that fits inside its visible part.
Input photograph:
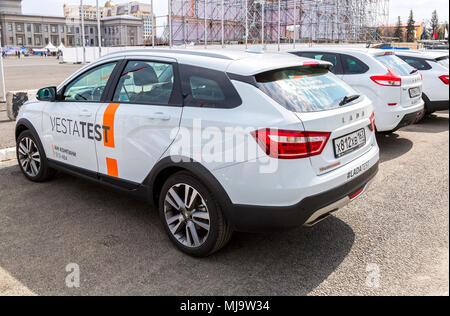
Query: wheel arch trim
(180, 163)
(29, 126)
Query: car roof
(338, 49)
(422, 54)
(239, 62)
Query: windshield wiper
(348, 99)
(413, 71)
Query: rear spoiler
(317, 63)
(441, 58)
(251, 79)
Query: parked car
(130, 120)
(394, 87)
(434, 67)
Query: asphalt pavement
(391, 241)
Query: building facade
(122, 31)
(11, 6)
(136, 9)
(32, 31)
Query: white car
(394, 87)
(434, 68)
(217, 141)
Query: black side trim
(434, 106)
(250, 218)
(135, 189)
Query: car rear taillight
(387, 80)
(444, 79)
(372, 122)
(285, 144)
(311, 63)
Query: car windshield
(396, 65)
(305, 89)
(443, 61)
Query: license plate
(349, 143)
(415, 92)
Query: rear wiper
(413, 71)
(348, 99)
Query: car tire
(192, 216)
(31, 158)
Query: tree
(398, 30)
(410, 29)
(434, 23)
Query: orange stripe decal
(108, 122)
(111, 165)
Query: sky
(422, 8)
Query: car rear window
(396, 65)
(418, 63)
(304, 89)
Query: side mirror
(47, 94)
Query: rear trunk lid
(324, 104)
(347, 125)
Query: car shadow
(393, 146)
(430, 124)
(121, 247)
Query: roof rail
(172, 51)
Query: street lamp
(1, 66)
(83, 31)
(99, 32)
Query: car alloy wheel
(29, 157)
(187, 215)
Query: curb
(7, 154)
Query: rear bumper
(398, 117)
(250, 218)
(409, 119)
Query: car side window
(208, 88)
(331, 58)
(353, 66)
(145, 82)
(417, 63)
(89, 86)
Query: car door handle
(159, 116)
(85, 113)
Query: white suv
(394, 87)
(434, 68)
(217, 141)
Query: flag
(435, 34)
